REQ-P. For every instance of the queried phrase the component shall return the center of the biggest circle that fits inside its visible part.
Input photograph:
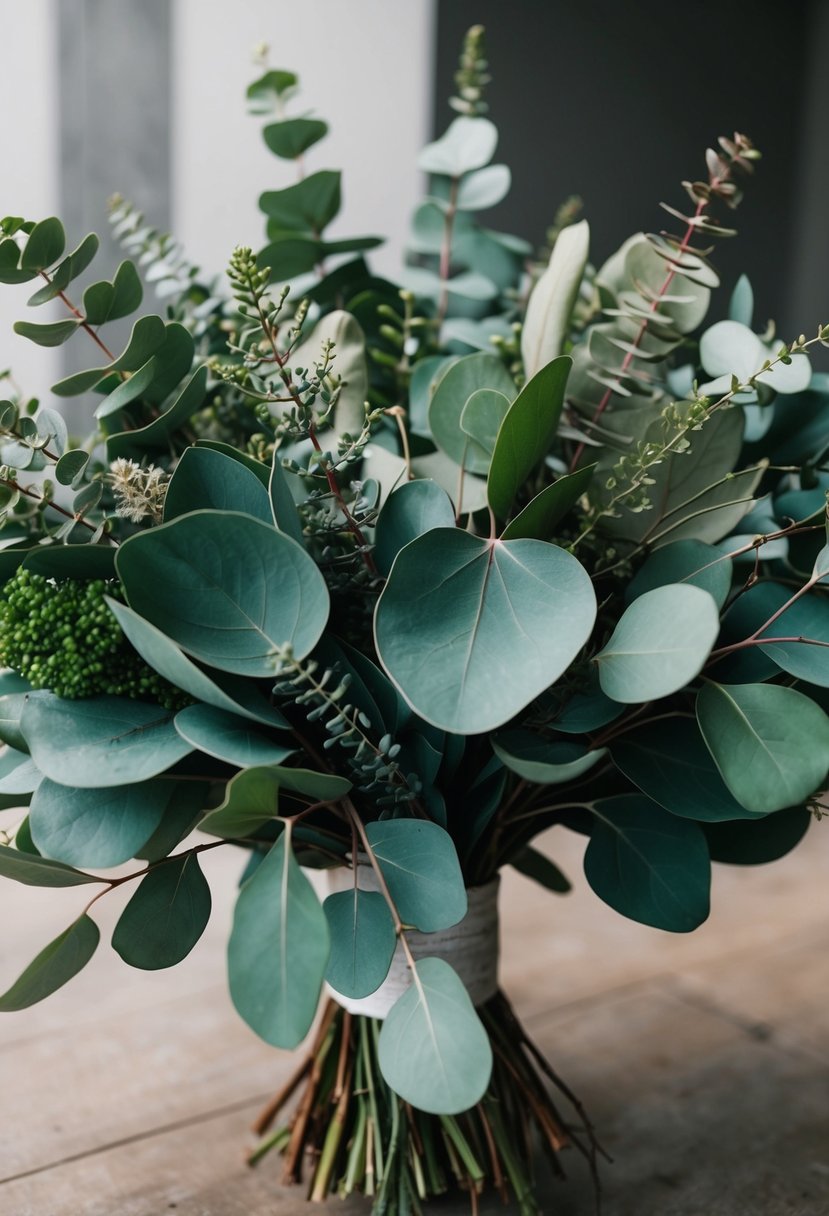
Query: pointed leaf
(544, 762)
(54, 334)
(207, 479)
(36, 871)
(54, 966)
(550, 306)
(539, 518)
(293, 136)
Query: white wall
(28, 155)
(365, 66)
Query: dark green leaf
(540, 516)
(147, 337)
(740, 843)
(54, 966)
(807, 618)
(414, 508)
(293, 136)
(306, 207)
(128, 390)
(289, 256)
(105, 301)
(228, 737)
(54, 334)
(45, 245)
(684, 561)
(70, 465)
(537, 866)
(204, 478)
(527, 434)
(165, 917)
(420, 866)
(363, 941)
(541, 761)
(156, 434)
(278, 951)
(96, 827)
(35, 871)
(650, 866)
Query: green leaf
(482, 416)
(54, 334)
(148, 336)
(742, 843)
(537, 866)
(289, 256)
(670, 763)
(283, 507)
(539, 518)
(54, 966)
(434, 1052)
(346, 333)
(413, 509)
(96, 827)
(180, 818)
(293, 136)
(228, 737)
(467, 144)
(807, 618)
(165, 917)
(547, 322)
(527, 433)
(306, 207)
(278, 951)
(741, 304)
(229, 589)
(266, 94)
(22, 777)
(543, 762)
(771, 744)
(659, 645)
(156, 434)
(500, 621)
(36, 871)
(105, 301)
(484, 188)
(165, 657)
(73, 561)
(251, 800)
(421, 868)
(208, 479)
(101, 741)
(649, 865)
(10, 262)
(45, 245)
(128, 390)
(363, 941)
(454, 389)
(684, 561)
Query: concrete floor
(704, 1060)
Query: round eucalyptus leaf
(684, 561)
(467, 144)
(771, 744)
(650, 866)
(278, 950)
(806, 619)
(471, 631)
(96, 827)
(54, 966)
(660, 643)
(482, 416)
(228, 737)
(421, 868)
(729, 348)
(455, 387)
(208, 479)
(166, 916)
(542, 761)
(483, 188)
(742, 843)
(434, 1051)
(101, 741)
(229, 589)
(363, 941)
(414, 508)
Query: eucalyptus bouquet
(383, 579)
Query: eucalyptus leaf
(467, 144)
(278, 950)
(544, 762)
(54, 966)
(526, 434)
(502, 620)
(483, 188)
(659, 645)
(165, 917)
(455, 387)
(413, 509)
(204, 478)
(228, 737)
(551, 301)
(434, 1052)
(293, 136)
(96, 827)
(363, 941)
(35, 871)
(541, 869)
(421, 868)
(684, 561)
(741, 843)
(539, 518)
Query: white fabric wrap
(471, 947)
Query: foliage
(409, 571)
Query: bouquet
(373, 582)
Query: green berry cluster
(62, 636)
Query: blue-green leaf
(363, 941)
(165, 917)
(228, 737)
(96, 827)
(421, 869)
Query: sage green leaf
(650, 866)
(164, 656)
(659, 645)
(537, 866)
(12, 704)
(101, 741)
(434, 1052)
(45, 244)
(808, 619)
(251, 800)
(70, 465)
(293, 136)
(467, 144)
(482, 416)
(36, 871)
(181, 817)
(228, 737)
(128, 390)
(413, 509)
(283, 507)
(499, 620)
(541, 761)
(105, 301)
(742, 843)
(155, 436)
(587, 710)
(771, 744)
(306, 207)
(165, 917)
(54, 966)
(453, 390)
(363, 941)
(229, 589)
(442, 469)
(278, 950)
(670, 763)
(483, 188)
(53, 334)
(20, 778)
(540, 516)
(148, 335)
(747, 615)
(527, 433)
(421, 868)
(350, 366)
(684, 561)
(96, 827)
(207, 479)
(550, 306)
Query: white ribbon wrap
(471, 947)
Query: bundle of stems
(348, 1132)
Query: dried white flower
(139, 493)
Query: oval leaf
(54, 966)
(96, 827)
(165, 917)
(421, 868)
(685, 561)
(544, 762)
(208, 479)
(413, 509)
(547, 321)
(363, 941)
(228, 737)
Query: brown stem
(84, 323)
(268, 1113)
(79, 519)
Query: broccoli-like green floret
(60, 635)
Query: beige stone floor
(704, 1060)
